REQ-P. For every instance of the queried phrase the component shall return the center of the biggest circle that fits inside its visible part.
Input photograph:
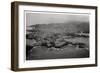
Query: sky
(46, 18)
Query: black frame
(14, 35)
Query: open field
(55, 53)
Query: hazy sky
(44, 18)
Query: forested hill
(71, 27)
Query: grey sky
(44, 18)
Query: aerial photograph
(56, 35)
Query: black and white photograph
(55, 35)
(52, 36)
